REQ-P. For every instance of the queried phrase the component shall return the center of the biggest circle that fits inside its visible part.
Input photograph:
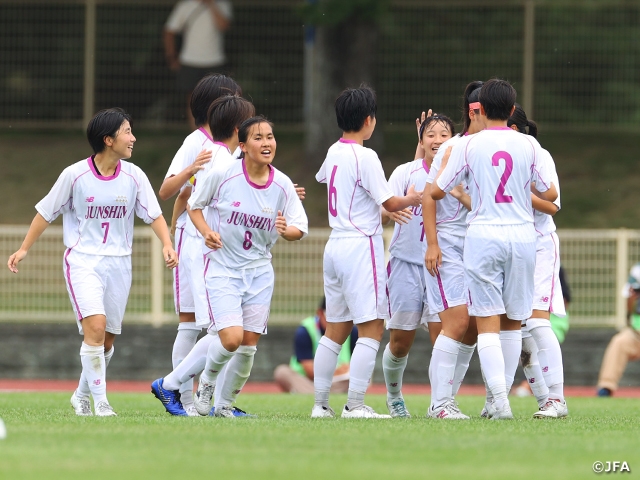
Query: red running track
(20, 385)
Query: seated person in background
(625, 345)
(297, 377)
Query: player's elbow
(436, 192)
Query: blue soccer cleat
(230, 412)
(169, 398)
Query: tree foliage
(335, 12)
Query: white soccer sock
(186, 338)
(94, 370)
(83, 385)
(217, 357)
(465, 353)
(549, 356)
(492, 363)
(393, 368)
(237, 373)
(363, 361)
(532, 369)
(324, 366)
(191, 365)
(511, 342)
(442, 369)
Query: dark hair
(245, 128)
(353, 106)
(206, 91)
(435, 118)
(105, 123)
(471, 94)
(519, 119)
(226, 114)
(497, 98)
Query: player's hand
(422, 119)
(281, 224)
(212, 240)
(170, 257)
(414, 197)
(15, 259)
(433, 259)
(300, 191)
(457, 192)
(203, 157)
(402, 217)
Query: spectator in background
(201, 24)
(625, 345)
(297, 377)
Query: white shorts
(408, 307)
(548, 292)
(238, 298)
(499, 263)
(98, 285)
(448, 289)
(355, 279)
(193, 294)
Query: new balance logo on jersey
(89, 199)
(251, 221)
(545, 369)
(110, 211)
(235, 204)
(544, 299)
(532, 380)
(96, 382)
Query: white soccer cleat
(363, 411)
(225, 411)
(191, 411)
(552, 409)
(503, 413)
(3, 430)
(447, 411)
(322, 412)
(81, 405)
(203, 396)
(397, 408)
(488, 410)
(103, 409)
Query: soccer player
(445, 228)
(408, 305)
(225, 114)
(97, 198)
(541, 354)
(499, 166)
(353, 268)
(251, 205)
(193, 156)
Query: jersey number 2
(508, 168)
(333, 194)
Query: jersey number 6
(333, 194)
(508, 168)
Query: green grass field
(47, 441)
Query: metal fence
(597, 263)
(573, 63)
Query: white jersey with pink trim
(498, 164)
(244, 214)
(357, 187)
(451, 215)
(192, 145)
(222, 158)
(544, 223)
(97, 212)
(407, 240)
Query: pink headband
(474, 106)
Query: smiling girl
(252, 204)
(97, 198)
